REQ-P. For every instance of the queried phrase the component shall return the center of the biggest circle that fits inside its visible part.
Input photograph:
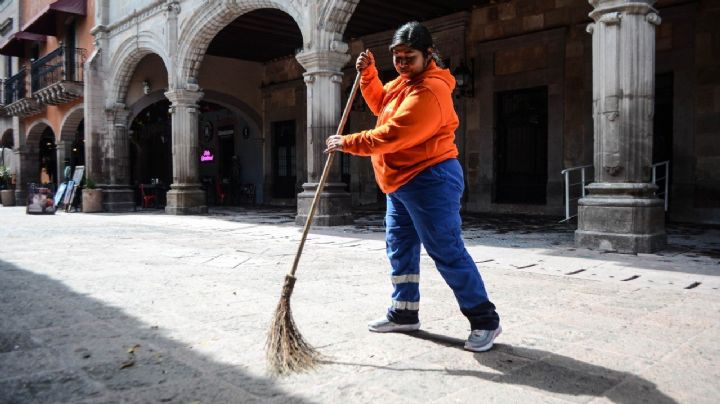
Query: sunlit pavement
(146, 307)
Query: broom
(286, 350)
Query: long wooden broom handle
(323, 177)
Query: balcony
(57, 77)
(15, 96)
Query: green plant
(89, 183)
(5, 177)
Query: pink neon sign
(207, 156)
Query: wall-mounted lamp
(464, 79)
(146, 87)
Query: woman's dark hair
(418, 37)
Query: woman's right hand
(364, 60)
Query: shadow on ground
(555, 373)
(59, 346)
(546, 371)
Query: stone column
(620, 211)
(323, 77)
(118, 196)
(63, 151)
(185, 196)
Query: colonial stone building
(229, 102)
(45, 47)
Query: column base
(21, 197)
(118, 199)
(334, 206)
(624, 218)
(186, 200)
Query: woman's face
(408, 62)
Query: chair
(220, 193)
(147, 198)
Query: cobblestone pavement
(146, 307)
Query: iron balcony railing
(62, 64)
(14, 88)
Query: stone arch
(6, 140)
(35, 131)
(70, 123)
(126, 58)
(206, 22)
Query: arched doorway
(151, 152)
(71, 148)
(6, 146)
(7, 156)
(77, 148)
(47, 156)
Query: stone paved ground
(144, 307)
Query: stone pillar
(323, 77)
(620, 211)
(185, 196)
(63, 152)
(118, 196)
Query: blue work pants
(426, 211)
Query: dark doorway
(48, 157)
(283, 152)
(227, 152)
(151, 145)
(521, 139)
(77, 157)
(663, 119)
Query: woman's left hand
(334, 143)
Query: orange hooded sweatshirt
(415, 127)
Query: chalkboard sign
(78, 174)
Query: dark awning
(45, 22)
(15, 45)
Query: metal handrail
(583, 181)
(665, 178)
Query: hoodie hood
(434, 72)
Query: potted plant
(91, 197)
(7, 194)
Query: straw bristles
(286, 350)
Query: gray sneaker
(385, 325)
(482, 340)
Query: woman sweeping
(414, 157)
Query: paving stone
(201, 323)
(61, 386)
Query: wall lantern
(146, 87)
(464, 79)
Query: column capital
(603, 8)
(117, 113)
(323, 61)
(183, 97)
(172, 7)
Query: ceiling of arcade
(267, 34)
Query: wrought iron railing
(62, 64)
(14, 88)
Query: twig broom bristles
(286, 350)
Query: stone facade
(157, 50)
